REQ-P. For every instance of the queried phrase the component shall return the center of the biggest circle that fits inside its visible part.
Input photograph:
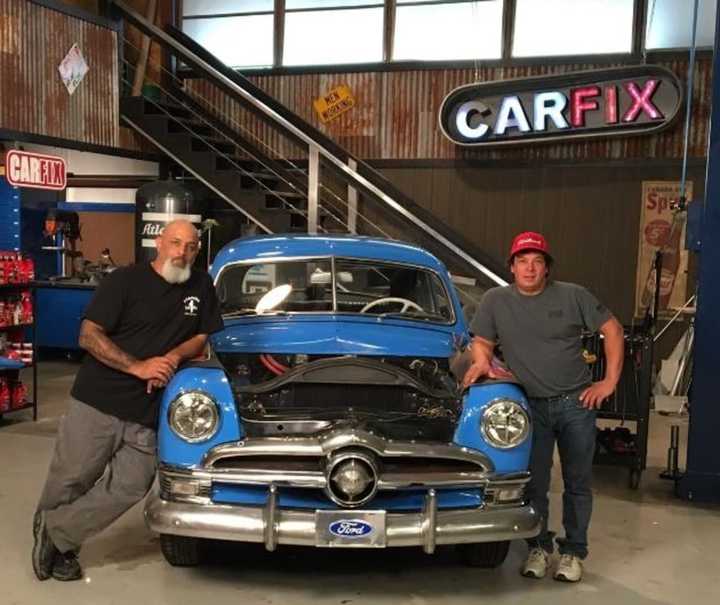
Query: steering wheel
(406, 304)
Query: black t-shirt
(145, 316)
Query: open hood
(337, 335)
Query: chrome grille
(302, 462)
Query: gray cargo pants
(101, 467)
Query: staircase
(306, 183)
(268, 195)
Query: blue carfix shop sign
(600, 103)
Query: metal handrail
(329, 209)
(299, 134)
(217, 151)
(208, 105)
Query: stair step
(190, 126)
(166, 108)
(284, 194)
(213, 144)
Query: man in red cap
(538, 324)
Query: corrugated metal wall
(33, 42)
(395, 116)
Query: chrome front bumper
(271, 525)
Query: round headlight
(505, 423)
(194, 416)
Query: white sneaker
(569, 569)
(536, 564)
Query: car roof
(266, 247)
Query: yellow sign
(337, 101)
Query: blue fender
(468, 433)
(213, 381)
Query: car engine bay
(399, 398)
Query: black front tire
(180, 551)
(486, 555)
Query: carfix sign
(608, 102)
(38, 171)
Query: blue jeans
(564, 420)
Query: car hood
(334, 335)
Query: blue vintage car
(328, 416)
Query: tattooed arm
(96, 342)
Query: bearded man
(143, 321)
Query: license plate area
(350, 528)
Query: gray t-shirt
(540, 335)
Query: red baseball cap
(529, 241)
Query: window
(306, 286)
(377, 288)
(430, 30)
(301, 286)
(669, 23)
(323, 32)
(572, 27)
(238, 32)
(194, 8)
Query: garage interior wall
(96, 236)
(584, 195)
(590, 214)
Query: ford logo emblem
(350, 528)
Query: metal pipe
(313, 181)
(688, 111)
(673, 318)
(675, 447)
(352, 201)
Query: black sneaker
(44, 551)
(66, 567)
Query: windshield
(306, 286)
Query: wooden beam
(141, 66)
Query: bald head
(177, 246)
(180, 228)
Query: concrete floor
(647, 547)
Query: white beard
(175, 275)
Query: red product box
(18, 394)
(5, 396)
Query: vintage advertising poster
(661, 227)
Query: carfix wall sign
(35, 170)
(600, 103)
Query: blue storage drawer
(58, 313)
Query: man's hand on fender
(174, 359)
(154, 368)
(154, 383)
(477, 369)
(594, 395)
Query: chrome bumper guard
(272, 525)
